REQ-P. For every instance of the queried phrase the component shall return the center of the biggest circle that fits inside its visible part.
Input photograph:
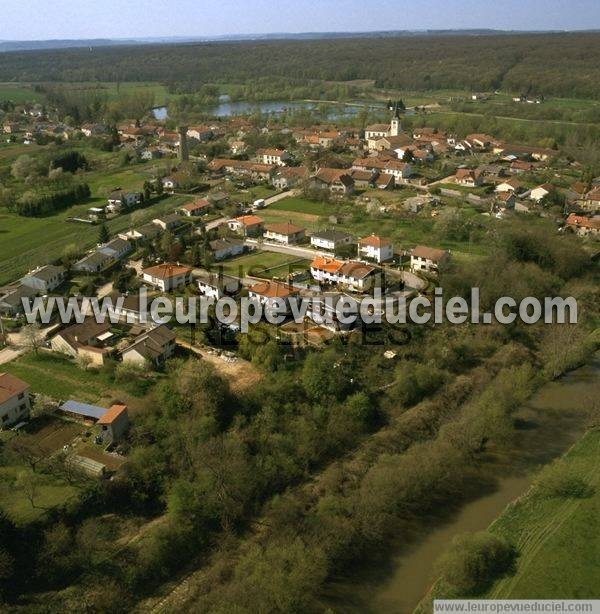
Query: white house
(375, 248)
(538, 194)
(118, 200)
(226, 248)
(286, 233)
(246, 225)
(217, 286)
(512, 185)
(427, 258)
(44, 279)
(153, 347)
(272, 293)
(330, 239)
(14, 400)
(116, 249)
(279, 157)
(167, 277)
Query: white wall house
(167, 277)
(375, 248)
(330, 239)
(427, 259)
(45, 279)
(14, 400)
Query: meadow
(558, 539)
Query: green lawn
(61, 378)
(262, 264)
(558, 540)
(49, 491)
(302, 205)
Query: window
(22, 407)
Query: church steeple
(395, 127)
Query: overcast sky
(51, 19)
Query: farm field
(558, 539)
(22, 247)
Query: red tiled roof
(11, 386)
(112, 414)
(166, 270)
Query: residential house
(153, 347)
(480, 141)
(289, 177)
(87, 340)
(93, 263)
(119, 201)
(284, 232)
(114, 423)
(356, 276)
(196, 208)
(375, 248)
(428, 259)
(168, 222)
(330, 239)
(591, 201)
(167, 277)
(469, 177)
(512, 185)
(272, 294)
(351, 275)
(116, 248)
(279, 157)
(45, 279)
(506, 200)
(583, 225)
(14, 400)
(226, 248)
(217, 286)
(541, 192)
(200, 133)
(337, 180)
(131, 308)
(246, 225)
(147, 232)
(363, 180)
(11, 299)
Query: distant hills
(107, 42)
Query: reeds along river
(553, 419)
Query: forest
(548, 64)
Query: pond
(227, 108)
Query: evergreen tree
(103, 234)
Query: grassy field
(49, 491)
(30, 242)
(19, 93)
(263, 264)
(59, 377)
(558, 539)
(301, 205)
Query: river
(550, 423)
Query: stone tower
(183, 153)
(396, 128)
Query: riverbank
(548, 424)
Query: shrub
(474, 561)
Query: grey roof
(46, 272)
(225, 243)
(83, 409)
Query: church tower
(396, 128)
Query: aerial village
(243, 228)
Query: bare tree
(32, 336)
